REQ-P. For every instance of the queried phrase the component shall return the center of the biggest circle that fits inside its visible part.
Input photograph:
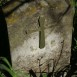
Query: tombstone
(41, 31)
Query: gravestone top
(47, 40)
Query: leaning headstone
(41, 32)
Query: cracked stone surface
(24, 34)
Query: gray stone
(56, 19)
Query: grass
(6, 67)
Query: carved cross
(41, 21)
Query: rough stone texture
(23, 28)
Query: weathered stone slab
(41, 30)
